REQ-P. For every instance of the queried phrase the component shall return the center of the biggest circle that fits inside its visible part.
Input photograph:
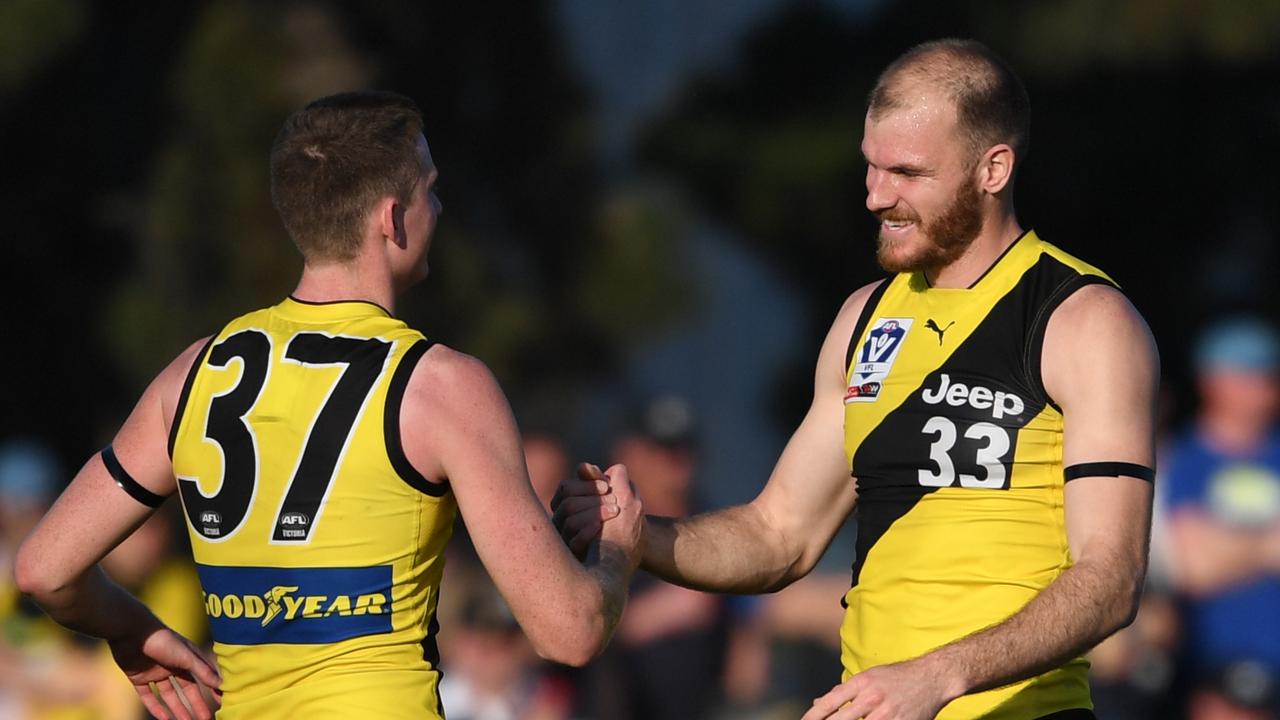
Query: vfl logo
(875, 360)
(941, 331)
(260, 605)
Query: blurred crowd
(1205, 645)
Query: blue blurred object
(29, 472)
(1242, 343)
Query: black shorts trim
(186, 393)
(391, 423)
(1108, 469)
(126, 481)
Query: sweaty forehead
(922, 127)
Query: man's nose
(880, 193)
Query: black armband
(1109, 469)
(126, 481)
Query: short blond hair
(991, 102)
(334, 159)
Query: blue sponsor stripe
(300, 606)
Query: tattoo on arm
(609, 565)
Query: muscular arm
(456, 424)
(779, 536)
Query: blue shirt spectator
(1221, 491)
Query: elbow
(575, 636)
(799, 563)
(1124, 609)
(565, 655)
(574, 648)
(789, 574)
(32, 577)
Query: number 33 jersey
(957, 453)
(319, 547)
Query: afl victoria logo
(294, 525)
(211, 523)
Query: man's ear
(390, 218)
(995, 169)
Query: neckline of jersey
(924, 281)
(332, 309)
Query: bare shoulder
(1099, 317)
(1098, 305)
(453, 409)
(169, 383)
(856, 302)
(451, 392)
(831, 359)
(1097, 339)
(445, 376)
(843, 326)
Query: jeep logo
(999, 404)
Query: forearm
(611, 569)
(1078, 610)
(93, 605)
(729, 550)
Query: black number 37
(218, 516)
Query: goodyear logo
(260, 605)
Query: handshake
(599, 506)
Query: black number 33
(218, 516)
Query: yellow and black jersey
(319, 547)
(957, 453)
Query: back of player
(319, 547)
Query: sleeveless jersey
(319, 547)
(957, 452)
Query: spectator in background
(46, 672)
(492, 672)
(1222, 493)
(668, 655)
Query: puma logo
(941, 331)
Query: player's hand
(580, 507)
(626, 528)
(903, 691)
(164, 659)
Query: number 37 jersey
(319, 547)
(957, 452)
